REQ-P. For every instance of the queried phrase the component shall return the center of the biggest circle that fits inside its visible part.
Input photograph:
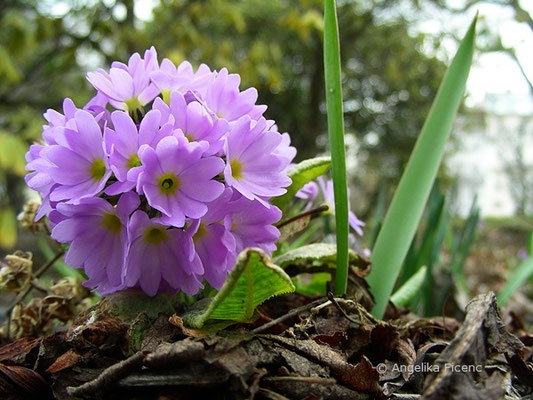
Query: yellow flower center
(112, 223)
(236, 168)
(134, 161)
(189, 137)
(168, 183)
(166, 96)
(155, 235)
(97, 169)
(201, 232)
(133, 104)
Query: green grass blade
(463, 246)
(403, 296)
(407, 206)
(518, 276)
(332, 71)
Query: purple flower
(329, 198)
(213, 241)
(308, 192)
(253, 168)
(97, 233)
(225, 100)
(252, 225)
(77, 164)
(181, 79)
(56, 119)
(123, 144)
(193, 121)
(176, 179)
(38, 179)
(160, 256)
(128, 87)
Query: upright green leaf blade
(403, 296)
(332, 71)
(301, 174)
(253, 280)
(517, 277)
(413, 190)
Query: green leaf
(8, 228)
(301, 174)
(518, 276)
(253, 280)
(317, 285)
(321, 253)
(415, 185)
(403, 296)
(332, 72)
(463, 244)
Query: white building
(494, 158)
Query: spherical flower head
(128, 87)
(165, 197)
(77, 165)
(252, 166)
(193, 121)
(97, 234)
(160, 257)
(177, 180)
(123, 143)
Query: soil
(298, 348)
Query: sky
(491, 72)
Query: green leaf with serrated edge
(325, 253)
(301, 174)
(407, 206)
(403, 296)
(253, 280)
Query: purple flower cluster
(162, 178)
(310, 193)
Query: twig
(36, 285)
(24, 293)
(315, 212)
(331, 298)
(270, 394)
(290, 314)
(306, 379)
(109, 375)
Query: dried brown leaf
(17, 351)
(65, 361)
